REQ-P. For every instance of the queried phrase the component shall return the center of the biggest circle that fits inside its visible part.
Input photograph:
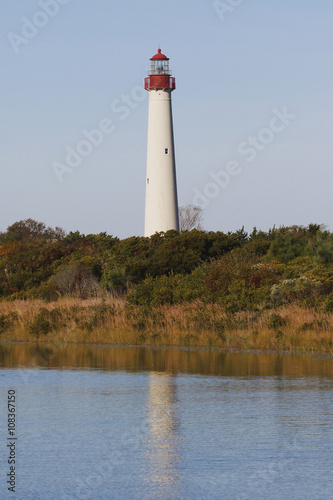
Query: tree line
(239, 270)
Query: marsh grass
(112, 321)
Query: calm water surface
(144, 423)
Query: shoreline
(32, 358)
(326, 355)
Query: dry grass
(199, 325)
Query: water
(141, 423)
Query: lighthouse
(161, 211)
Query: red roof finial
(159, 55)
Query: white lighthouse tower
(161, 213)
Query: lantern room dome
(159, 56)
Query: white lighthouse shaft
(161, 212)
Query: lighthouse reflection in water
(163, 441)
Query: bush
(4, 323)
(40, 325)
(115, 281)
(300, 289)
(7, 320)
(100, 315)
(142, 293)
(76, 279)
(276, 321)
(46, 291)
(323, 274)
(306, 327)
(328, 304)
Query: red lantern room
(159, 74)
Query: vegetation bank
(264, 290)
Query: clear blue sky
(232, 69)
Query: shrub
(300, 289)
(100, 315)
(142, 293)
(276, 321)
(328, 304)
(306, 327)
(324, 250)
(40, 325)
(323, 274)
(46, 291)
(278, 334)
(7, 320)
(4, 323)
(115, 281)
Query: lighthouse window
(166, 151)
(160, 67)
